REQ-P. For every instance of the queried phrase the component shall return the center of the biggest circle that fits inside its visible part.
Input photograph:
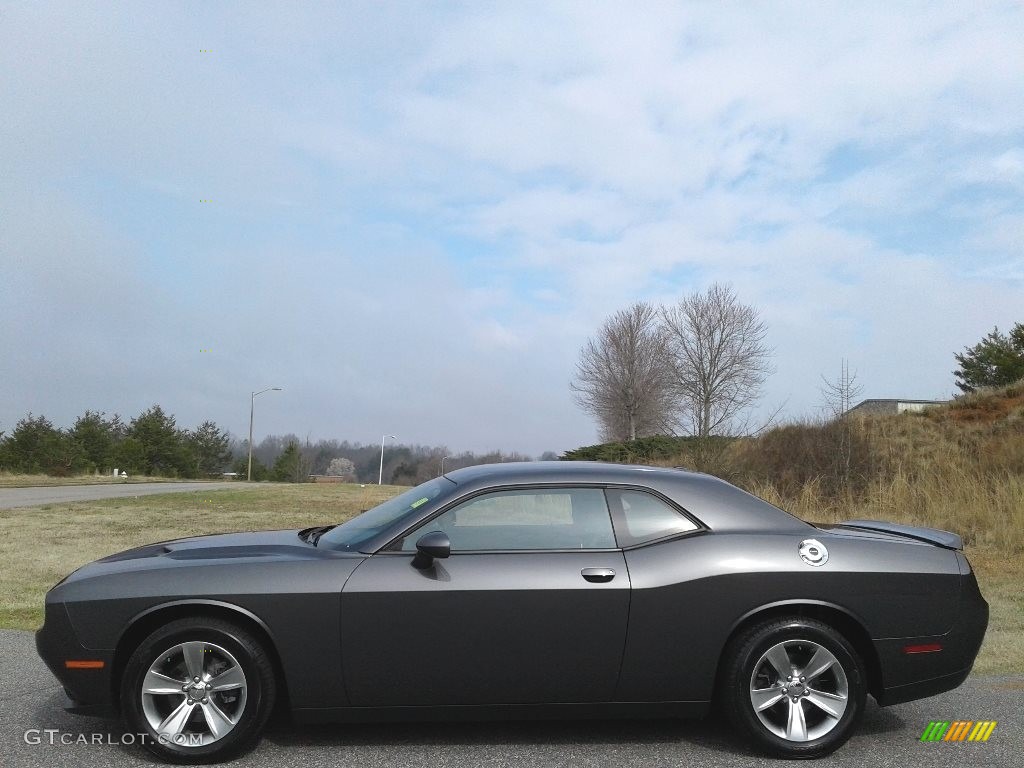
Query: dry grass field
(40, 545)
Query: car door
(530, 608)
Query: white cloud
(463, 193)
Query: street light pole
(442, 463)
(252, 407)
(380, 476)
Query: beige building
(894, 406)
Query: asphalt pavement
(888, 738)
(37, 496)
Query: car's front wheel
(795, 686)
(198, 690)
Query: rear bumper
(922, 689)
(910, 676)
(88, 691)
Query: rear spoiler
(931, 535)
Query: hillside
(958, 467)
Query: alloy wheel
(194, 694)
(799, 690)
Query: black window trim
(614, 510)
(619, 517)
(387, 548)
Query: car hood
(217, 546)
(224, 548)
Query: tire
(182, 720)
(837, 681)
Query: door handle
(598, 575)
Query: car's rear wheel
(795, 686)
(199, 690)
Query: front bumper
(88, 691)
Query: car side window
(644, 517)
(542, 518)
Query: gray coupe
(563, 589)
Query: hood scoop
(150, 550)
(221, 553)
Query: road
(888, 738)
(57, 494)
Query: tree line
(289, 458)
(150, 444)
(691, 368)
(153, 444)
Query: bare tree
(621, 377)
(718, 357)
(839, 394)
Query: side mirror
(429, 546)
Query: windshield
(355, 532)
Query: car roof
(560, 471)
(718, 504)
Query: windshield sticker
(418, 502)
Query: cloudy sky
(418, 212)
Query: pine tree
(994, 361)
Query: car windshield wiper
(315, 533)
(307, 534)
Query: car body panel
(287, 586)
(710, 585)
(366, 635)
(476, 621)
